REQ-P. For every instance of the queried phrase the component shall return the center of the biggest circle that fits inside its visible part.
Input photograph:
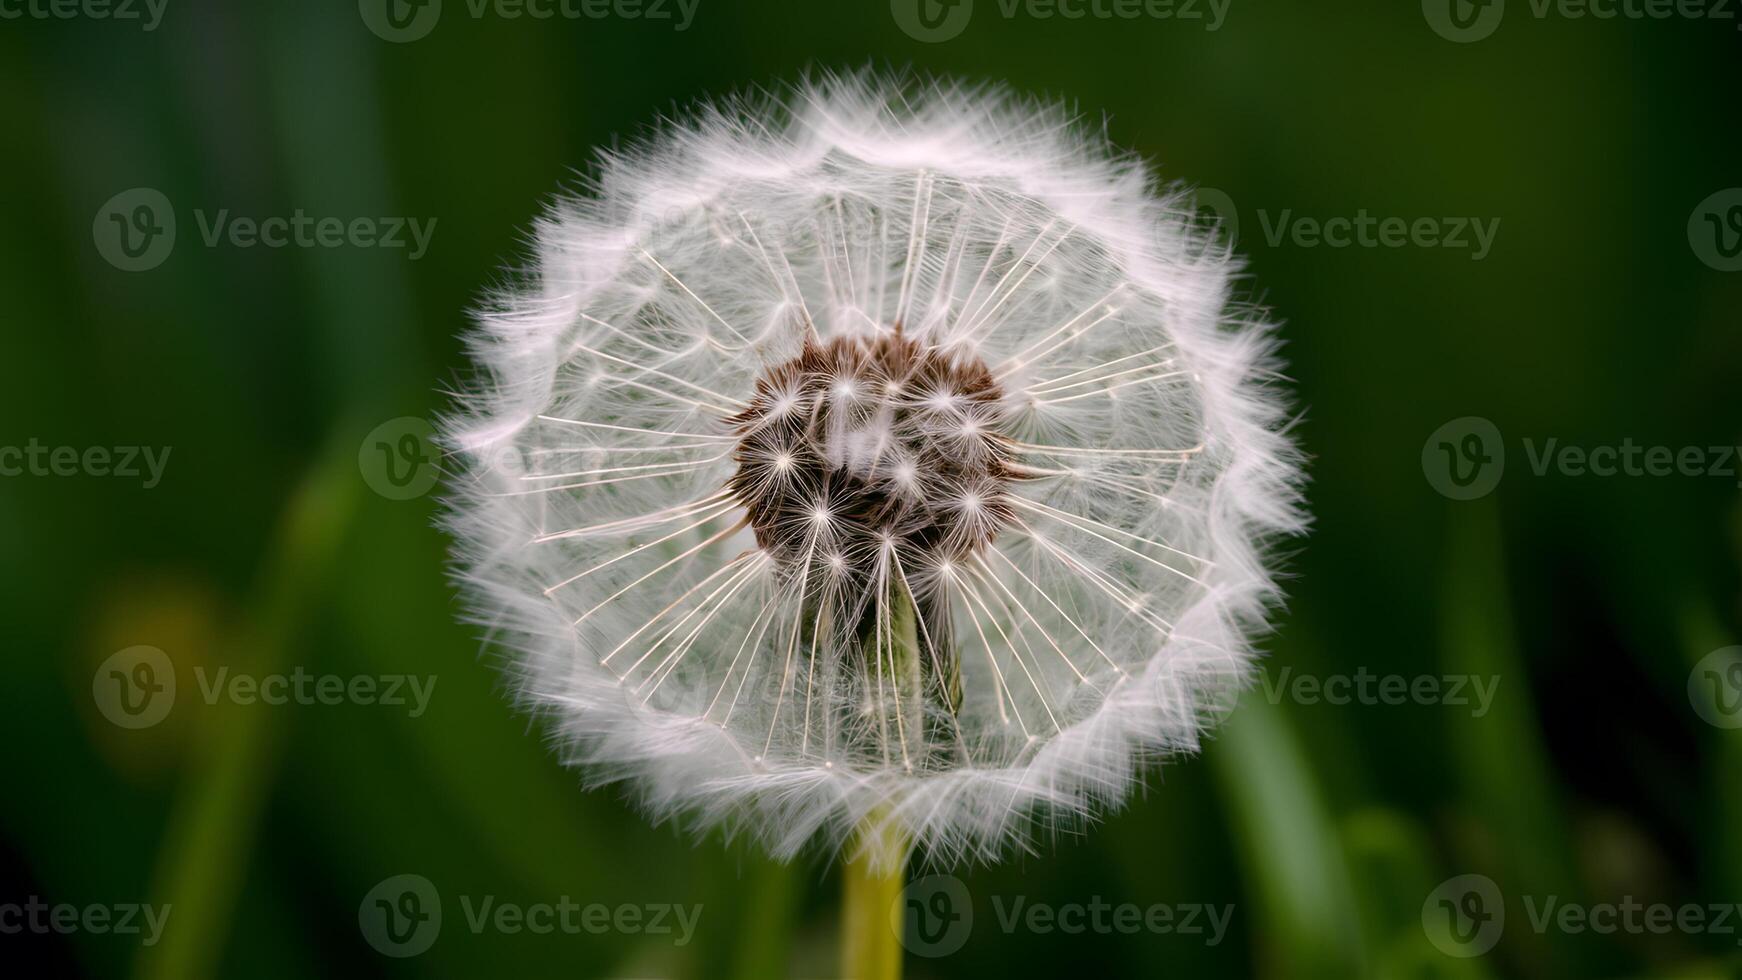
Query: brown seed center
(859, 448)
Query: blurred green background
(1595, 776)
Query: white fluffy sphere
(879, 450)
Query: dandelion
(874, 460)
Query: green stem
(871, 887)
(874, 875)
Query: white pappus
(877, 450)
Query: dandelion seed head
(890, 450)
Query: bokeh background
(1599, 771)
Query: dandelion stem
(874, 875)
(871, 886)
